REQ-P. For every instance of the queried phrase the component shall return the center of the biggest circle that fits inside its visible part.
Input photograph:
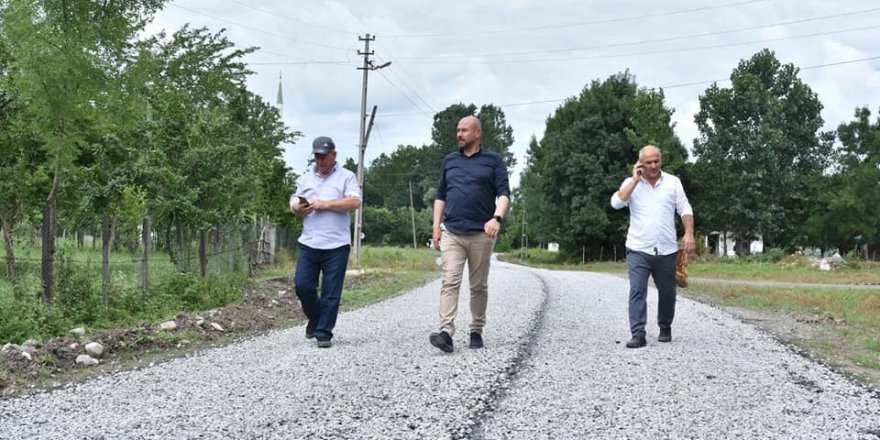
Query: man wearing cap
(324, 196)
(472, 199)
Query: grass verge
(839, 326)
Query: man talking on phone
(653, 198)
(324, 197)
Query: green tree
(497, 134)
(849, 206)
(65, 54)
(589, 145)
(760, 156)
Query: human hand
(437, 238)
(492, 227)
(305, 207)
(637, 170)
(689, 243)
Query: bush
(772, 255)
(190, 292)
(76, 296)
(25, 319)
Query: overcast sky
(525, 56)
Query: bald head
(473, 121)
(651, 161)
(650, 149)
(469, 133)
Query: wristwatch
(498, 218)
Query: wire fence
(143, 260)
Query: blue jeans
(311, 263)
(640, 265)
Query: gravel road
(554, 367)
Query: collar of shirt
(479, 150)
(332, 170)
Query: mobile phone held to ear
(639, 167)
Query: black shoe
(476, 340)
(310, 329)
(442, 340)
(665, 335)
(636, 342)
(324, 343)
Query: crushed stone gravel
(554, 366)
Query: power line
(403, 94)
(672, 86)
(406, 73)
(258, 29)
(294, 19)
(641, 42)
(577, 24)
(293, 63)
(817, 66)
(655, 52)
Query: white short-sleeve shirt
(327, 229)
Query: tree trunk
(146, 237)
(230, 246)
(168, 247)
(203, 255)
(218, 260)
(106, 245)
(181, 264)
(6, 225)
(47, 265)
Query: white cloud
(454, 52)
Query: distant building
(723, 244)
(553, 247)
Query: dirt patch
(265, 306)
(815, 336)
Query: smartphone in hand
(302, 201)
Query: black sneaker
(310, 329)
(324, 343)
(665, 335)
(476, 340)
(442, 340)
(636, 342)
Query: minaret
(279, 101)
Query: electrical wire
(578, 24)
(642, 42)
(297, 40)
(655, 52)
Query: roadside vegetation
(133, 338)
(385, 271)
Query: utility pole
(364, 136)
(522, 240)
(412, 214)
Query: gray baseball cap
(323, 145)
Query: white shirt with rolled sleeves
(652, 212)
(327, 229)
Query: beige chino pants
(455, 249)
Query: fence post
(146, 235)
